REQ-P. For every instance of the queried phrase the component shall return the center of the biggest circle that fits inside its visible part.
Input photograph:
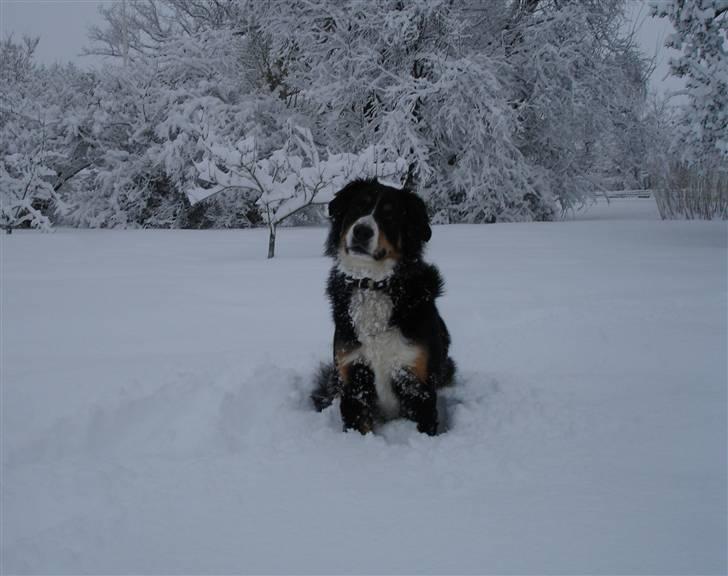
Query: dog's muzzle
(362, 238)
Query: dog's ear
(338, 206)
(418, 222)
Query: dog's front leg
(358, 398)
(417, 400)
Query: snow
(155, 420)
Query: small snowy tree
(288, 179)
(26, 190)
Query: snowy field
(155, 415)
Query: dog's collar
(367, 283)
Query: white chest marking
(383, 348)
(358, 266)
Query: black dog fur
(390, 343)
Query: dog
(391, 346)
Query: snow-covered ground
(155, 415)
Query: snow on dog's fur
(390, 353)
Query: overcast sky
(62, 26)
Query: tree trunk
(272, 241)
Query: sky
(62, 27)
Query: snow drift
(155, 412)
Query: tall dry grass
(693, 191)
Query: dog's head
(375, 226)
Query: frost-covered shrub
(693, 191)
(233, 208)
(26, 194)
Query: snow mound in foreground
(193, 415)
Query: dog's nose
(362, 233)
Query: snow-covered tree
(287, 180)
(403, 75)
(501, 108)
(184, 75)
(37, 134)
(692, 175)
(701, 37)
(135, 29)
(25, 185)
(580, 87)
(152, 114)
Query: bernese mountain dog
(390, 343)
